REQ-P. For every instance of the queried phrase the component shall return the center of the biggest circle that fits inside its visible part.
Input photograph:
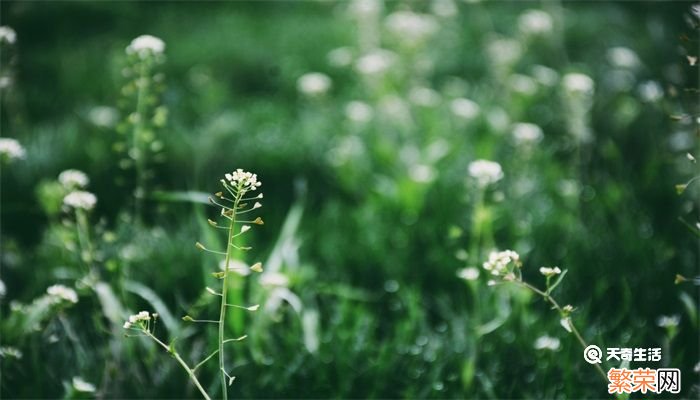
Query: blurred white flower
(523, 84)
(498, 261)
(340, 57)
(11, 149)
(575, 82)
(8, 351)
(504, 52)
(545, 75)
(358, 111)
(423, 96)
(81, 385)
(469, 273)
(80, 200)
(243, 180)
(146, 45)
(547, 271)
(73, 179)
(395, 108)
(236, 266)
(314, 84)
(103, 116)
(274, 279)
(464, 108)
(422, 173)
(535, 22)
(63, 293)
(668, 321)
(410, 27)
(547, 343)
(650, 91)
(364, 8)
(623, 57)
(526, 133)
(444, 8)
(8, 35)
(375, 62)
(3, 289)
(485, 172)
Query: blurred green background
(370, 211)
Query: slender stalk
(224, 291)
(182, 362)
(575, 331)
(137, 140)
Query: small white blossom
(485, 172)
(545, 75)
(504, 52)
(242, 180)
(526, 133)
(469, 273)
(464, 108)
(547, 343)
(623, 57)
(546, 271)
(499, 261)
(103, 116)
(81, 385)
(137, 319)
(375, 62)
(63, 293)
(146, 45)
(314, 84)
(8, 35)
(80, 200)
(650, 91)
(535, 22)
(424, 97)
(73, 179)
(11, 148)
(578, 83)
(411, 27)
(358, 111)
(668, 321)
(340, 57)
(364, 8)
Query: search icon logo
(593, 354)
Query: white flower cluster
(80, 199)
(575, 82)
(137, 319)
(314, 84)
(72, 179)
(8, 35)
(146, 45)
(375, 62)
(63, 293)
(547, 343)
(11, 148)
(468, 274)
(526, 133)
(464, 108)
(547, 271)
(485, 172)
(358, 111)
(535, 22)
(411, 27)
(498, 261)
(242, 180)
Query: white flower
(575, 82)
(464, 108)
(271, 279)
(545, 75)
(498, 261)
(547, 343)
(424, 97)
(242, 180)
(522, 84)
(411, 27)
(80, 385)
(103, 116)
(72, 179)
(146, 45)
(422, 173)
(485, 172)
(668, 321)
(236, 266)
(364, 8)
(63, 293)
(650, 91)
(546, 271)
(375, 62)
(137, 319)
(443, 8)
(623, 57)
(527, 133)
(314, 84)
(8, 35)
(504, 52)
(535, 22)
(469, 273)
(80, 199)
(11, 148)
(340, 57)
(358, 111)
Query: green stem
(224, 291)
(575, 331)
(137, 141)
(84, 237)
(182, 362)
